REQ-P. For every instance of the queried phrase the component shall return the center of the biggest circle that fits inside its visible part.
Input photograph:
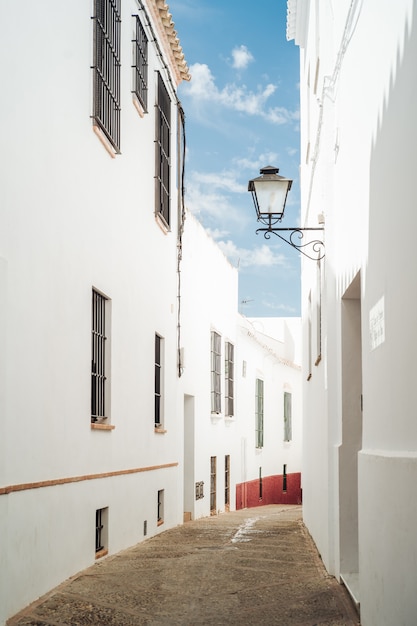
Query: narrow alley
(250, 567)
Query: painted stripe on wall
(78, 479)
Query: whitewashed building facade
(358, 134)
(120, 415)
(91, 154)
(241, 381)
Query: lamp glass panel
(271, 196)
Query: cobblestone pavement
(252, 567)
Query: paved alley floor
(252, 567)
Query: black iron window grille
(98, 357)
(259, 413)
(163, 141)
(140, 67)
(159, 343)
(215, 372)
(106, 68)
(229, 379)
(199, 490)
(160, 511)
(99, 529)
(227, 480)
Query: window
(159, 346)
(259, 413)
(287, 416)
(106, 70)
(227, 481)
(163, 130)
(213, 481)
(100, 350)
(229, 375)
(101, 532)
(160, 510)
(215, 372)
(140, 67)
(199, 490)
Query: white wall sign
(377, 324)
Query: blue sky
(241, 114)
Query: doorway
(213, 483)
(351, 436)
(189, 448)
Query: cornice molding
(169, 39)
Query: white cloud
(291, 151)
(202, 198)
(224, 180)
(283, 308)
(281, 115)
(212, 195)
(266, 158)
(241, 57)
(202, 87)
(216, 233)
(263, 256)
(202, 83)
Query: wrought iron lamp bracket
(312, 249)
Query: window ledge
(105, 142)
(162, 223)
(138, 105)
(160, 430)
(160, 522)
(96, 426)
(101, 553)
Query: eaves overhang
(169, 39)
(297, 11)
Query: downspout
(181, 147)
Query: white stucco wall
(360, 123)
(269, 355)
(73, 218)
(209, 302)
(269, 348)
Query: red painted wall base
(252, 493)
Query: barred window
(160, 507)
(287, 416)
(163, 131)
(101, 531)
(99, 357)
(140, 67)
(159, 345)
(215, 372)
(259, 413)
(106, 69)
(229, 379)
(227, 481)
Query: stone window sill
(96, 426)
(101, 553)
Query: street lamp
(269, 193)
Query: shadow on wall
(392, 251)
